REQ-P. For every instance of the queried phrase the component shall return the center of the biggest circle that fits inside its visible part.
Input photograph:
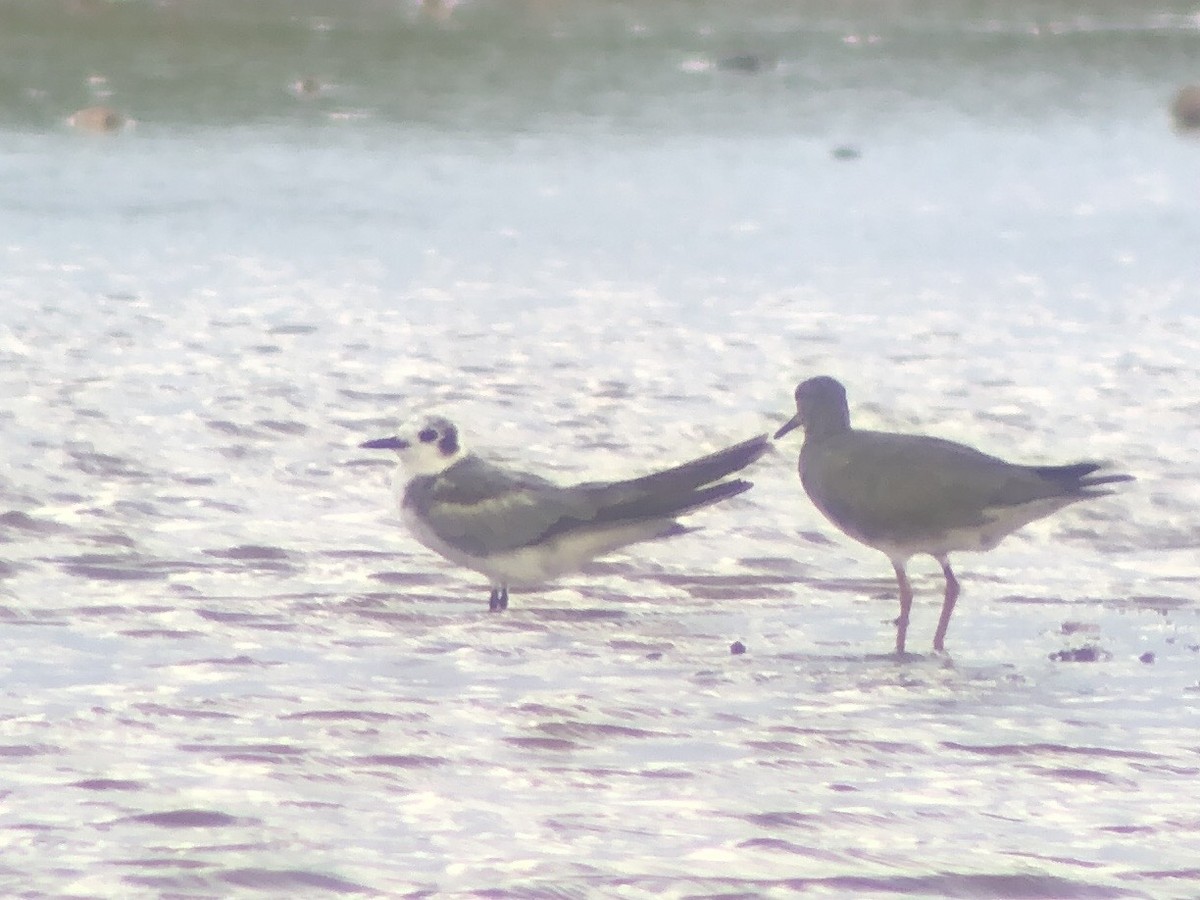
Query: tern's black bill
(387, 443)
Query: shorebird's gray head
(821, 407)
(426, 446)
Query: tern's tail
(682, 489)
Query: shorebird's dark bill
(387, 443)
(791, 425)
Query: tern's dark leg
(939, 636)
(499, 599)
(906, 597)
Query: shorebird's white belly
(998, 523)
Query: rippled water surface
(604, 238)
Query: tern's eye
(427, 435)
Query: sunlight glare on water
(605, 239)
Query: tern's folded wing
(480, 509)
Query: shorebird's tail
(1077, 478)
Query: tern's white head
(426, 446)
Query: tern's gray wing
(480, 508)
(673, 492)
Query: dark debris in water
(737, 648)
(1081, 654)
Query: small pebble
(97, 119)
(737, 648)
(1147, 657)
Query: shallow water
(603, 246)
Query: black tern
(906, 494)
(522, 530)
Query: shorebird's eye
(427, 435)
